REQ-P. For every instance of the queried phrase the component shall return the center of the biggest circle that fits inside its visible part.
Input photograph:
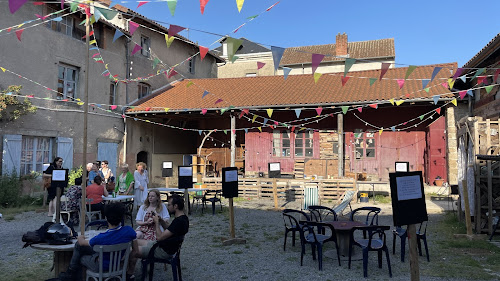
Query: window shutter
(65, 150)
(108, 151)
(11, 154)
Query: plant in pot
(438, 181)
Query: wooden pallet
(298, 169)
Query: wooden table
(343, 232)
(62, 254)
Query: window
(143, 90)
(145, 44)
(64, 26)
(35, 151)
(72, 27)
(67, 81)
(281, 143)
(364, 144)
(191, 65)
(112, 89)
(304, 144)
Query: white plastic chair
(118, 262)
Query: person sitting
(95, 192)
(125, 181)
(74, 195)
(93, 173)
(84, 255)
(178, 227)
(144, 218)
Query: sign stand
(167, 172)
(186, 181)
(274, 171)
(412, 244)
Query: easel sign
(167, 170)
(60, 178)
(402, 166)
(230, 182)
(275, 170)
(408, 199)
(185, 177)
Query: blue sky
(425, 32)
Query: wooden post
(490, 183)
(58, 205)
(167, 180)
(412, 237)
(340, 131)
(465, 193)
(275, 193)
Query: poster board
(60, 178)
(274, 169)
(185, 176)
(167, 170)
(408, 198)
(402, 166)
(230, 182)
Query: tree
(11, 108)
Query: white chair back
(118, 261)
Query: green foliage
(10, 190)
(74, 174)
(11, 108)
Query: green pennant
(489, 88)
(372, 80)
(234, 59)
(426, 89)
(82, 23)
(106, 13)
(410, 70)
(421, 117)
(344, 109)
(74, 5)
(478, 72)
(348, 64)
(252, 17)
(189, 84)
(223, 110)
(156, 62)
(225, 132)
(232, 46)
(172, 4)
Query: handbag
(110, 186)
(46, 182)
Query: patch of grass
(237, 252)
(12, 211)
(382, 199)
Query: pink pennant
(203, 52)
(319, 110)
(260, 65)
(405, 123)
(123, 116)
(18, 33)
(148, 108)
(292, 129)
(238, 28)
(38, 3)
(30, 96)
(106, 74)
(113, 107)
(401, 83)
(246, 110)
(174, 29)
(234, 131)
(141, 3)
(9, 29)
(62, 4)
(438, 110)
(373, 105)
(360, 109)
(204, 111)
(495, 77)
(40, 17)
(480, 79)
(14, 5)
(316, 60)
(267, 10)
(203, 3)
(445, 85)
(241, 115)
(383, 70)
(407, 95)
(276, 123)
(217, 101)
(462, 94)
(344, 79)
(172, 73)
(132, 27)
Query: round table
(343, 232)
(62, 254)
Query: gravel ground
(204, 258)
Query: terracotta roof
(381, 48)
(274, 91)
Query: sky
(425, 32)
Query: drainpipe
(127, 76)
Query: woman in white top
(106, 171)
(141, 181)
(144, 219)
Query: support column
(340, 131)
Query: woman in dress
(125, 181)
(52, 189)
(141, 181)
(144, 219)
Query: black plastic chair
(322, 214)
(217, 197)
(316, 240)
(403, 235)
(422, 235)
(370, 219)
(496, 222)
(129, 209)
(97, 223)
(376, 241)
(291, 218)
(175, 261)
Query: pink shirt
(95, 192)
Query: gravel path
(204, 258)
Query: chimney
(341, 44)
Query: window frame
(278, 146)
(145, 45)
(29, 156)
(191, 65)
(112, 92)
(64, 93)
(304, 148)
(361, 143)
(140, 88)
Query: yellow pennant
(380, 131)
(92, 20)
(451, 82)
(317, 75)
(78, 100)
(19, 26)
(80, 103)
(392, 101)
(147, 121)
(454, 102)
(399, 102)
(169, 40)
(189, 84)
(166, 109)
(260, 129)
(254, 117)
(269, 112)
(302, 129)
(239, 3)
(3, 69)
(93, 42)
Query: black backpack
(37, 236)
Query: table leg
(61, 261)
(343, 240)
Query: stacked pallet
(328, 142)
(298, 169)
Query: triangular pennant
(457, 73)
(435, 72)
(156, 62)
(319, 110)
(246, 131)
(18, 33)
(166, 109)
(225, 132)
(427, 89)
(462, 94)
(276, 123)
(203, 3)
(269, 112)
(489, 88)
(348, 64)
(239, 4)
(189, 84)
(92, 42)
(97, 14)
(297, 112)
(409, 71)
(205, 93)
(480, 79)
(107, 13)
(286, 71)
(260, 65)
(435, 99)
(344, 79)
(233, 45)
(451, 82)
(169, 40)
(233, 131)
(391, 101)
(445, 85)
(253, 118)
(380, 131)
(260, 129)
(373, 105)
(141, 3)
(132, 27)
(14, 5)
(292, 129)
(315, 61)
(199, 132)
(372, 80)
(425, 82)
(234, 58)
(174, 29)
(136, 49)
(172, 4)
(495, 76)
(272, 127)
(317, 76)
(478, 72)
(74, 6)
(401, 83)
(360, 109)
(399, 102)
(265, 121)
(204, 111)
(438, 110)
(470, 93)
(171, 73)
(219, 100)
(113, 107)
(118, 34)
(393, 128)
(464, 78)
(344, 109)
(383, 69)
(3, 69)
(252, 17)
(454, 102)
(277, 54)
(203, 52)
(223, 110)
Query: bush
(74, 174)
(10, 190)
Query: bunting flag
(14, 5)
(399, 102)
(315, 61)
(489, 88)
(495, 76)
(234, 59)
(457, 73)
(319, 110)
(272, 6)
(292, 129)
(470, 93)
(260, 129)
(219, 100)
(480, 79)
(425, 82)
(445, 85)
(175, 29)
(252, 17)
(74, 6)
(203, 3)
(344, 79)
(421, 117)
(156, 62)
(204, 111)
(380, 131)
(348, 64)
(18, 33)
(166, 109)
(269, 112)
(401, 83)
(409, 71)
(435, 99)
(97, 14)
(265, 121)
(464, 78)
(317, 76)
(199, 132)
(223, 110)
(225, 132)
(383, 69)
(438, 110)
(435, 72)
(141, 3)
(203, 52)
(3, 69)
(393, 128)
(427, 89)
(204, 93)
(253, 118)
(391, 101)
(113, 107)
(136, 49)
(246, 131)
(344, 109)
(107, 13)
(239, 4)
(277, 54)
(260, 65)
(451, 82)
(132, 27)
(360, 109)
(246, 111)
(232, 46)
(172, 73)
(462, 94)
(172, 4)
(189, 84)
(169, 40)
(286, 71)
(297, 112)
(372, 80)
(148, 108)
(454, 102)
(373, 105)
(478, 72)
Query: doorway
(142, 156)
